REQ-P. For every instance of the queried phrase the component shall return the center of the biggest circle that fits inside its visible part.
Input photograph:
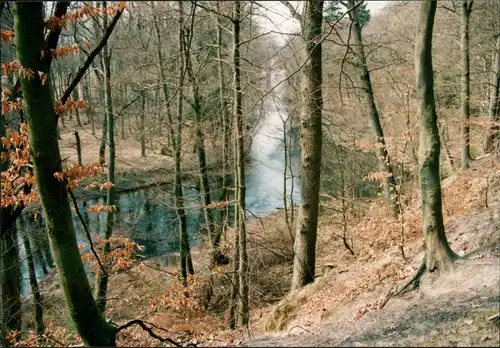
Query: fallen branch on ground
(414, 280)
(149, 330)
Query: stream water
(148, 216)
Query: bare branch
(292, 10)
(149, 330)
(91, 57)
(87, 232)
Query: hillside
(341, 307)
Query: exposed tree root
(414, 281)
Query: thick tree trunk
(10, 273)
(42, 123)
(240, 170)
(492, 131)
(101, 278)
(465, 92)
(311, 144)
(389, 184)
(439, 255)
(35, 292)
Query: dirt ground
(341, 307)
(437, 315)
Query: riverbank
(341, 306)
(134, 172)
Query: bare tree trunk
(226, 128)
(494, 108)
(439, 255)
(465, 92)
(186, 265)
(202, 162)
(102, 278)
(311, 144)
(384, 161)
(11, 315)
(78, 149)
(240, 169)
(163, 78)
(142, 130)
(35, 292)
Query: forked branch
(91, 57)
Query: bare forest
(255, 173)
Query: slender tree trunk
(163, 78)
(11, 315)
(389, 184)
(101, 278)
(77, 114)
(311, 144)
(202, 162)
(465, 92)
(439, 255)
(226, 129)
(185, 254)
(104, 139)
(35, 292)
(240, 170)
(233, 296)
(78, 149)
(42, 124)
(142, 128)
(444, 140)
(492, 130)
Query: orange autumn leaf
(7, 35)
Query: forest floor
(341, 306)
(132, 170)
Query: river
(148, 216)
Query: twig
(91, 57)
(300, 327)
(160, 270)
(149, 330)
(53, 339)
(87, 232)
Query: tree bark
(186, 264)
(226, 124)
(102, 278)
(11, 315)
(240, 170)
(438, 253)
(465, 91)
(389, 184)
(42, 123)
(163, 78)
(202, 162)
(492, 130)
(35, 292)
(78, 149)
(311, 143)
(142, 130)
